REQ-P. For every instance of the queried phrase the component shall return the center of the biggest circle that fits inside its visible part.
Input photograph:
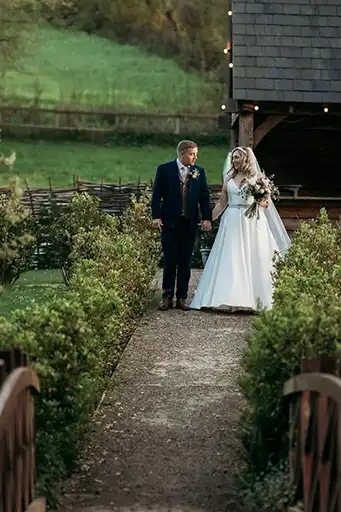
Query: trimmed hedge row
(305, 323)
(74, 341)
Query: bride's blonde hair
(246, 163)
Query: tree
(193, 30)
(18, 21)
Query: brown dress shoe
(181, 304)
(165, 304)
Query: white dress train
(237, 274)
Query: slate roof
(287, 50)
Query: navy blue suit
(180, 222)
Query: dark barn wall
(304, 151)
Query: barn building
(283, 96)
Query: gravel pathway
(165, 434)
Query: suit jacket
(167, 198)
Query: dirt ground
(165, 436)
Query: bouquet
(261, 188)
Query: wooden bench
(294, 189)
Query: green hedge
(74, 341)
(17, 238)
(110, 138)
(304, 323)
(269, 491)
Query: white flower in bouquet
(261, 189)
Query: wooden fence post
(17, 433)
(322, 364)
(177, 126)
(314, 434)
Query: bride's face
(237, 160)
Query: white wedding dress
(237, 274)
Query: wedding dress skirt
(237, 274)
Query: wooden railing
(315, 435)
(17, 434)
(94, 121)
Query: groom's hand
(206, 225)
(157, 223)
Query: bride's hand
(264, 204)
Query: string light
(229, 13)
(223, 107)
(226, 50)
(256, 107)
(326, 110)
(231, 65)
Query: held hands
(157, 223)
(206, 225)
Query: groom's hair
(185, 145)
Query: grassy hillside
(67, 67)
(37, 161)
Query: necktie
(184, 172)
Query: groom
(179, 188)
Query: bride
(237, 275)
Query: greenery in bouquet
(261, 188)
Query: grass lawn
(33, 287)
(39, 160)
(72, 68)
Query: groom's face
(189, 157)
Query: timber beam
(265, 127)
(283, 108)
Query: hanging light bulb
(231, 65)
(256, 107)
(226, 50)
(229, 13)
(223, 107)
(326, 110)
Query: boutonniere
(194, 174)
